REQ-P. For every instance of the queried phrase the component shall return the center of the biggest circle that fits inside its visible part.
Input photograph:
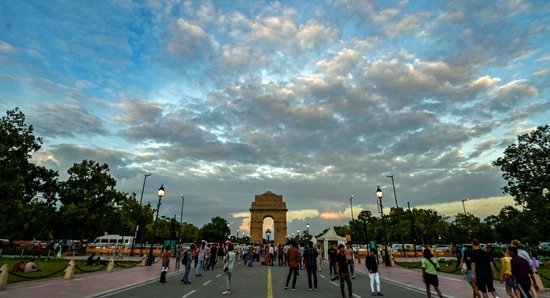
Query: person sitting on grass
(18, 267)
(31, 266)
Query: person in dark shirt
(332, 251)
(310, 255)
(483, 270)
(372, 266)
(521, 273)
(342, 270)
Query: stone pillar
(4, 276)
(69, 272)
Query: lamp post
(181, 214)
(386, 254)
(140, 201)
(143, 188)
(351, 208)
(398, 215)
(463, 206)
(307, 226)
(160, 194)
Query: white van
(110, 240)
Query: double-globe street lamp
(160, 194)
(379, 195)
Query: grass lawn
(54, 268)
(450, 268)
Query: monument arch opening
(267, 205)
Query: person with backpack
(186, 261)
(429, 272)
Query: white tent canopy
(330, 238)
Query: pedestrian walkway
(101, 282)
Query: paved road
(258, 281)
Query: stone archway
(268, 205)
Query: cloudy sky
(312, 100)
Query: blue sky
(315, 101)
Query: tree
(526, 169)
(215, 231)
(91, 205)
(27, 191)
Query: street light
(140, 201)
(160, 194)
(463, 206)
(143, 187)
(386, 254)
(398, 215)
(307, 226)
(181, 214)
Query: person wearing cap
(342, 271)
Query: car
(544, 246)
(442, 248)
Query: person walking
(342, 271)
(332, 252)
(506, 274)
(178, 257)
(483, 270)
(293, 261)
(310, 256)
(429, 272)
(319, 256)
(372, 267)
(522, 273)
(213, 257)
(187, 261)
(468, 275)
(228, 264)
(165, 261)
(201, 254)
(251, 252)
(525, 255)
(349, 257)
(271, 250)
(458, 255)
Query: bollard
(4, 276)
(69, 272)
(111, 265)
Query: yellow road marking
(269, 285)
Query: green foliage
(26, 190)
(526, 168)
(215, 231)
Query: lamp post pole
(307, 226)
(143, 188)
(181, 214)
(463, 206)
(351, 208)
(398, 215)
(150, 256)
(386, 254)
(140, 201)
